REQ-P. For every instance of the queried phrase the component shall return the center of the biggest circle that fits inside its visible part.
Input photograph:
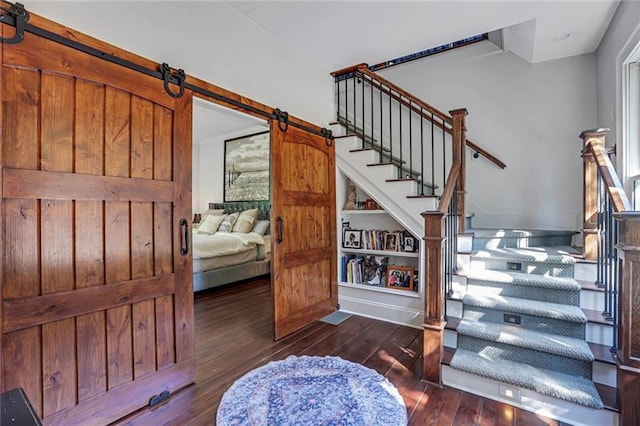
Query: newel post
(590, 188)
(434, 235)
(628, 350)
(458, 144)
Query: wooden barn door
(304, 279)
(97, 304)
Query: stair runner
(522, 324)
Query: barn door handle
(184, 250)
(280, 225)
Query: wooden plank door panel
(303, 197)
(97, 301)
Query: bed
(225, 257)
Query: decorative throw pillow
(228, 221)
(245, 221)
(210, 224)
(261, 227)
(215, 212)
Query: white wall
(528, 115)
(622, 36)
(210, 40)
(196, 206)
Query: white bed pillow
(261, 227)
(210, 224)
(245, 221)
(227, 222)
(215, 212)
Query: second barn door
(304, 279)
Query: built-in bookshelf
(376, 253)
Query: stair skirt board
(544, 405)
(571, 388)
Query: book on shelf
(371, 270)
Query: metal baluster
(362, 113)
(599, 235)
(346, 104)
(433, 158)
(400, 171)
(355, 110)
(390, 125)
(381, 121)
(444, 158)
(616, 235)
(609, 253)
(421, 181)
(371, 107)
(410, 141)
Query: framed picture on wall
(246, 168)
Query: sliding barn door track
(17, 16)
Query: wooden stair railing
(620, 257)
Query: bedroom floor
(234, 335)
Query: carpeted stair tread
(520, 278)
(558, 385)
(531, 254)
(530, 339)
(525, 306)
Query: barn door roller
(20, 17)
(167, 73)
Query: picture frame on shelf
(352, 238)
(409, 243)
(400, 277)
(391, 241)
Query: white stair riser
(337, 130)
(585, 271)
(599, 333)
(454, 308)
(463, 261)
(450, 338)
(590, 299)
(543, 405)
(604, 373)
(465, 243)
(405, 186)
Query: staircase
(519, 331)
(522, 318)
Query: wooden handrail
(495, 160)
(348, 70)
(449, 187)
(614, 187)
(415, 105)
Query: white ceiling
(338, 34)
(211, 120)
(331, 34)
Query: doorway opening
(230, 196)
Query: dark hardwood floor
(234, 332)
